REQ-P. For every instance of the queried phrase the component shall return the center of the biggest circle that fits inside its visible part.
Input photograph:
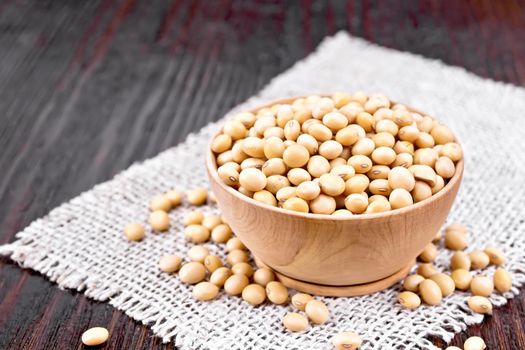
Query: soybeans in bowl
(335, 190)
(342, 155)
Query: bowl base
(339, 291)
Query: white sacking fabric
(80, 244)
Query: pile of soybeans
(341, 155)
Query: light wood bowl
(308, 250)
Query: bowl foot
(339, 291)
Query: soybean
(295, 322)
(192, 272)
(205, 291)
(95, 336)
(235, 284)
(482, 285)
(480, 304)
(263, 276)
(317, 311)
(254, 294)
(134, 232)
(430, 292)
(502, 280)
(409, 300)
(169, 263)
(347, 341)
(276, 292)
(299, 300)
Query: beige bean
(219, 276)
(205, 291)
(452, 150)
(197, 233)
(460, 260)
(430, 292)
(308, 190)
(347, 136)
(317, 311)
(234, 244)
(378, 206)
(356, 184)
(221, 143)
(170, 263)
(252, 179)
(409, 300)
(482, 285)
(243, 268)
(221, 233)
(228, 174)
(192, 272)
(198, 253)
(265, 197)
(364, 146)
(496, 256)
(235, 284)
(400, 198)
(445, 167)
(274, 166)
(197, 196)
(318, 165)
(356, 203)
(330, 149)
(421, 191)
(400, 177)
(429, 253)
(479, 260)
(480, 304)
(254, 294)
(323, 204)
(424, 173)
(462, 279)
(237, 129)
(296, 204)
(275, 182)
(160, 202)
(411, 283)
(134, 232)
(404, 159)
(442, 134)
(455, 240)
(426, 270)
(474, 343)
(347, 341)
(361, 163)
(299, 300)
(193, 218)
(211, 221)
(236, 256)
(295, 322)
(159, 220)
(502, 280)
(95, 336)
(263, 276)
(276, 292)
(212, 263)
(377, 172)
(445, 283)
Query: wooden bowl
(309, 250)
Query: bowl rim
(211, 166)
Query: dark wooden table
(88, 87)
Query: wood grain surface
(89, 87)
